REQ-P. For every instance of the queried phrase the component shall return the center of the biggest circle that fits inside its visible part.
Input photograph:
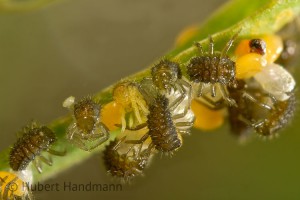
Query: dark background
(78, 47)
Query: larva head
(165, 74)
(86, 113)
(258, 46)
(34, 140)
(43, 134)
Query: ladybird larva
(213, 68)
(259, 110)
(166, 77)
(279, 117)
(28, 148)
(166, 122)
(87, 131)
(127, 96)
(126, 162)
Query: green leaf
(261, 17)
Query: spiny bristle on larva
(87, 131)
(30, 145)
(86, 107)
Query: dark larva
(126, 165)
(87, 131)
(34, 141)
(213, 67)
(161, 127)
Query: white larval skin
(276, 80)
(185, 104)
(26, 175)
(69, 102)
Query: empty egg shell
(277, 81)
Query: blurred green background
(78, 47)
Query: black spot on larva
(29, 146)
(161, 126)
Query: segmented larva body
(87, 132)
(281, 114)
(166, 122)
(86, 113)
(212, 68)
(127, 164)
(33, 142)
(164, 73)
(161, 127)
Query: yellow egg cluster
(248, 63)
(13, 187)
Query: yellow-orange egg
(206, 119)
(186, 35)
(111, 114)
(17, 186)
(274, 46)
(249, 64)
(242, 48)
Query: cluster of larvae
(154, 114)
